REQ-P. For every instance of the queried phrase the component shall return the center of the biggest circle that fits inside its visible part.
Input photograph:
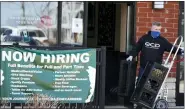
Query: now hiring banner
(66, 76)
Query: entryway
(112, 24)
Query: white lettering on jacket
(152, 45)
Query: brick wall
(168, 17)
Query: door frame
(179, 96)
(132, 42)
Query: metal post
(85, 23)
(12, 106)
(59, 23)
(102, 78)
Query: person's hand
(129, 58)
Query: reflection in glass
(39, 19)
(72, 23)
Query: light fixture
(158, 5)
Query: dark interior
(112, 75)
(105, 35)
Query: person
(152, 47)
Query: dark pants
(139, 77)
(140, 74)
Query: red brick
(173, 10)
(137, 19)
(142, 4)
(176, 34)
(174, 75)
(173, 70)
(167, 34)
(176, 6)
(140, 34)
(146, 10)
(158, 19)
(175, 25)
(169, 75)
(171, 20)
(149, 24)
(141, 24)
(159, 11)
(154, 14)
(176, 15)
(170, 39)
(163, 30)
(175, 63)
(143, 29)
(169, 15)
(172, 2)
(167, 25)
(141, 14)
(145, 20)
(150, 5)
(169, 6)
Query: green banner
(67, 76)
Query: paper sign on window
(77, 25)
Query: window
(39, 19)
(3, 30)
(7, 32)
(72, 23)
(32, 34)
(40, 34)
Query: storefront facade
(79, 24)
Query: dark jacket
(152, 49)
